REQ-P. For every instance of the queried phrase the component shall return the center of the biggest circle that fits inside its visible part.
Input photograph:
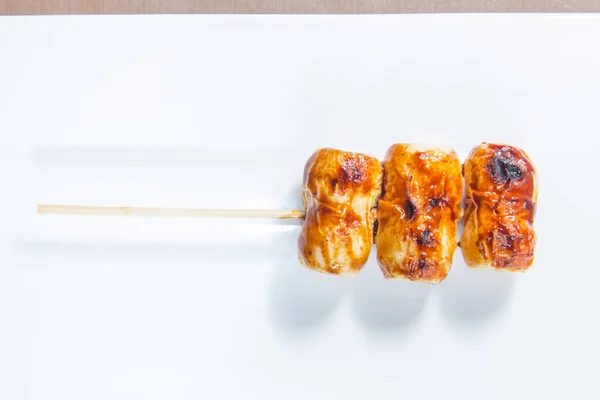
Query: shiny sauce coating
(340, 192)
(418, 212)
(500, 202)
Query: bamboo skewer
(168, 212)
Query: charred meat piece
(500, 203)
(340, 192)
(418, 212)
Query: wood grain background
(24, 7)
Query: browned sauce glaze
(418, 213)
(340, 191)
(500, 202)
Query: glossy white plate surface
(223, 111)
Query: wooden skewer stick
(168, 212)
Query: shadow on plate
(160, 156)
(178, 251)
(301, 300)
(473, 296)
(387, 306)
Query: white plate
(222, 111)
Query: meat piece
(340, 192)
(500, 203)
(418, 212)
